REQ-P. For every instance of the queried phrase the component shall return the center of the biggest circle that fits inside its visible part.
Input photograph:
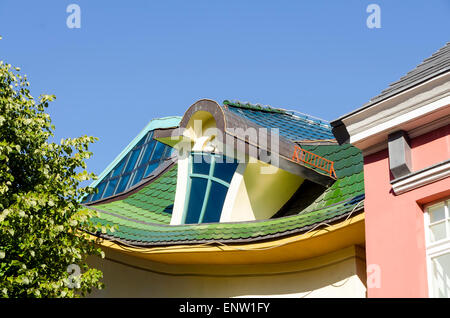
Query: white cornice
(421, 178)
(397, 121)
(409, 110)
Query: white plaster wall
(338, 279)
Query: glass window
(100, 188)
(132, 161)
(148, 152)
(118, 169)
(170, 152)
(197, 193)
(200, 164)
(159, 150)
(437, 213)
(438, 248)
(225, 170)
(123, 183)
(441, 275)
(140, 162)
(138, 175)
(439, 221)
(141, 142)
(150, 168)
(207, 187)
(110, 188)
(216, 198)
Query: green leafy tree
(43, 227)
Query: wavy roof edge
(256, 230)
(344, 199)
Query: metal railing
(305, 156)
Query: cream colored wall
(260, 196)
(181, 189)
(338, 274)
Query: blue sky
(132, 61)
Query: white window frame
(435, 249)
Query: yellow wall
(337, 274)
(260, 195)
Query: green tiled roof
(152, 204)
(348, 164)
(143, 218)
(152, 234)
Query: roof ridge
(269, 109)
(257, 106)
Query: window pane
(225, 170)
(437, 231)
(100, 188)
(437, 213)
(149, 136)
(441, 276)
(138, 176)
(159, 149)
(110, 188)
(151, 167)
(122, 183)
(201, 164)
(214, 207)
(132, 162)
(148, 152)
(140, 143)
(196, 195)
(119, 167)
(170, 152)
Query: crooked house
(244, 200)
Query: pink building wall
(395, 237)
(430, 148)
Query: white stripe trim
(409, 116)
(422, 178)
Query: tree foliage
(43, 226)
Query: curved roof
(135, 163)
(295, 127)
(255, 127)
(143, 215)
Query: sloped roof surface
(436, 64)
(294, 127)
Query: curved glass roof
(138, 160)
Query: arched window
(209, 179)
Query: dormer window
(209, 177)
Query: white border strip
(409, 116)
(422, 178)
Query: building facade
(233, 200)
(404, 135)
(244, 200)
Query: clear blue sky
(132, 61)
